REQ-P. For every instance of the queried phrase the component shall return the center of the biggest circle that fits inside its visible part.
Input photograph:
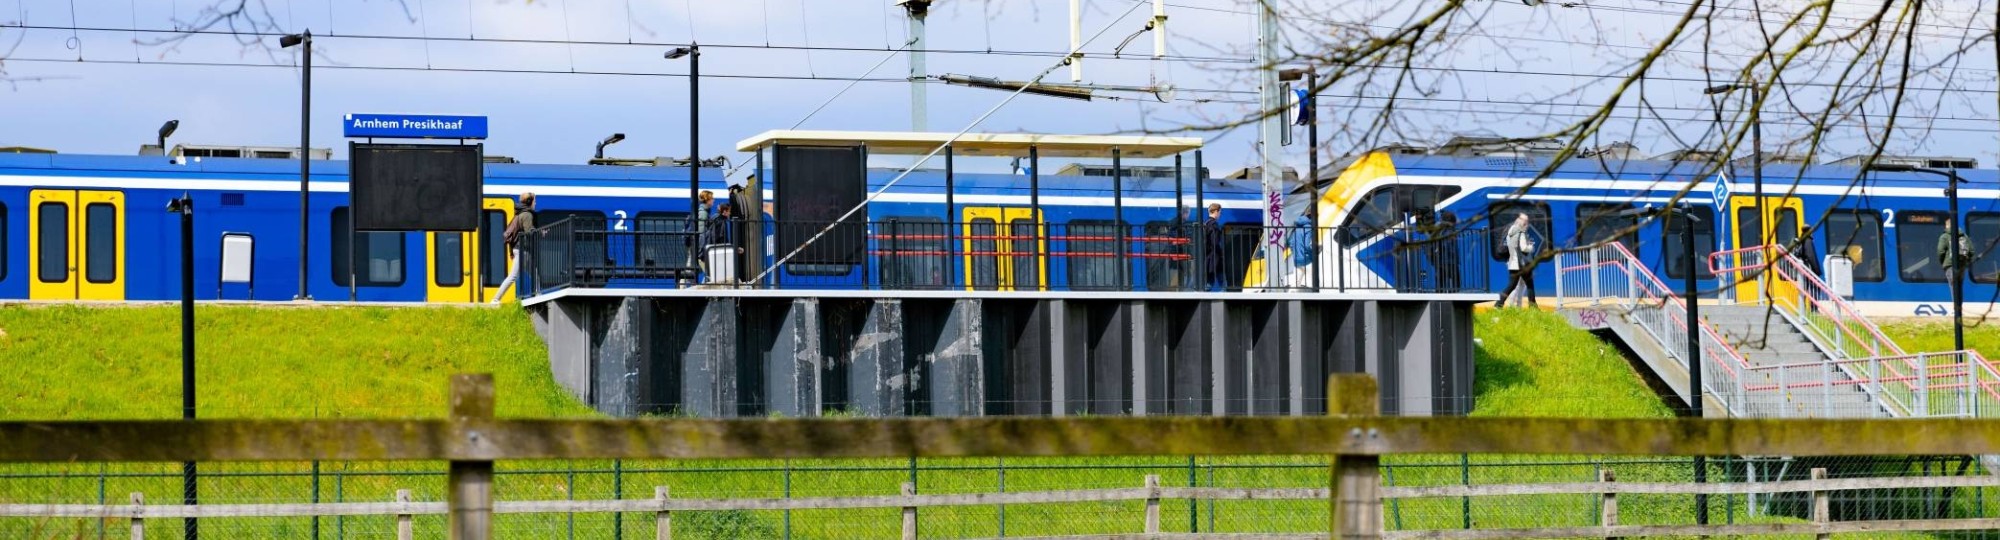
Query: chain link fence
(279, 483)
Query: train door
(76, 245)
(1000, 250)
(1779, 224)
(457, 258)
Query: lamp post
(1756, 153)
(1688, 221)
(693, 53)
(167, 130)
(185, 207)
(1957, 272)
(305, 152)
(1309, 115)
(608, 141)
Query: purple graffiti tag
(1275, 208)
(1592, 319)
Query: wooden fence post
(470, 494)
(1609, 517)
(1821, 510)
(405, 529)
(909, 512)
(663, 522)
(138, 516)
(1152, 504)
(1357, 480)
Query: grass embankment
(73, 362)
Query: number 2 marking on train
(620, 224)
(1889, 218)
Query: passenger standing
(1302, 251)
(1211, 241)
(1520, 267)
(1949, 259)
(516, 234)
(697, 231)
(1447, 250)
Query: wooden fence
(1354, 436)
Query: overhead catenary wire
(940, 148)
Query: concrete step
(1763, 358)
(1746, 346)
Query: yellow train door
(999, 250)
(1779, 224)
(76, 245)
(457, 258)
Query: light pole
(693, 53)
(608, 141)
(185, 207)
(1957, 272)
(167, 130)
(1309, 115)
(305, 152)
(1688, 221)
(1756, 154)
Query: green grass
(75, 362)
(71, 362)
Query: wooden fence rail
(1354, 435)
(1151, 492)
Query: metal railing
(1857, 355)
(1610, 275)
(992, 255)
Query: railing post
(663, 521)
(1152, 504)
(1357, 480)
(1596, 295)
(405, 530)
(138, 516)
(1609, 516)
(1821, 512)
(1971, 382)
(1923, 370)
(909, 512)
(470, 489)
(1826, 371)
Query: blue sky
(114, 102)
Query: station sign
(413, 126)
(1721, 190)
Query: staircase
(1805, 354)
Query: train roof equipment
(980, 144)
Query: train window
(1749, 227)
(1166, 255)
(1387, 206)
(1373, 215)
(1983, 230)
(1600, 222)
(1858, 235)
(493, 249)
(911, 252)
(1093, 254)
(984, 252)
(1916, 245)
(54, 242)
(1501, 215)
(100, 222)
(381, 263)
(1674, 251)
(662, 239)
(448, 259)
(1027, 276)
(586, 229)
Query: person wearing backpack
(517, 231)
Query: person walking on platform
(1211, 243)
(517, 231)
(1301, 241)
(1953, 260)
(1520, 264)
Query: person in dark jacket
(1211, 243)
(516, 238)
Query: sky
(1533, 70)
